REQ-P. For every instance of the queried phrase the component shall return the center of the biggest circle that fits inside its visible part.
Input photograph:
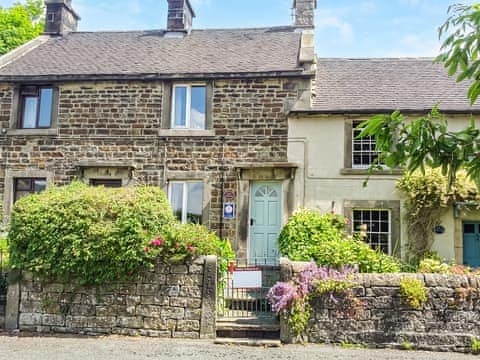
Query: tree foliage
(425, 142)
(19, 24)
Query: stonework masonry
(171, 300)
(125, 124)
(447, 322)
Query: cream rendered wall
(317, 145)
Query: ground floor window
(110, 183)
(376, 224)
(186, 198)
(26, 186)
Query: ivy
(427, 200)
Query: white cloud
(343, 27)
(412, 45)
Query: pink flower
(147, 249)
(157, 242)
(191, 248)
(177, 245)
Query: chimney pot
(180, 16)
(304, 13)
(60, 18)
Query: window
(376, 224)
(363, 150)
(186, 198)
(189, 103)
(27, 186)
(110, 183)
(36, 107)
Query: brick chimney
(180, 16)
(304, 13)
(61, 18)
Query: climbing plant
(427, 199)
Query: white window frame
(371, 140)
(188, 105)
(185, 195)
(389, 224)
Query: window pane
(40, 185)
(194, 203)
(176, 199)
(23, 184)
(46, 102)
(180, 115)
(198, 107)
(29, 116)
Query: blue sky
(345, 28)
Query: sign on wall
(247, 278)
(228, 210)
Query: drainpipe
(222, 186)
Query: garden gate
(244, 287)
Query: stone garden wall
(171, 300)
(447, 322)
(3, 300)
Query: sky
(344, 28)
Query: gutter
(152, 76)
(378, 111)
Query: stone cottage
(333, 163)
(200, 113)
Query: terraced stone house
(200, 113)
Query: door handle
(252, 222)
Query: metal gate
(243, 288)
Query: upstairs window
(27, 186)
(189, 105)
(36, 107)
(363, 150)
(186, 198)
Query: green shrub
(4, 255)
(309, 235)
(413, 292)
(475, 345)
(93, 234)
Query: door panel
(265, 224)
(471, 244)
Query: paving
(121, 348)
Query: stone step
(248, 342)
(254, 327)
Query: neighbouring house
(333, 164)
(200, 113)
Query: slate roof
(152, 53)
(365, 85)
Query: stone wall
(447, 322)
(3, 299)
(171, 300)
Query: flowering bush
(97, 235)
(292, 299)
(310, 235)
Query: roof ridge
(278, 27)
(419, 58)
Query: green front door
(265, 222)
(471, 244)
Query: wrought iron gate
(244, 287)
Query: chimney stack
(61, 18)
(180, 16)
(304, 13)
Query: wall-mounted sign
(440, 229)
(229, 195)
(228, 210)
(247, 278)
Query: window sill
(185, 133)
(32, 132)
(351, 171)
